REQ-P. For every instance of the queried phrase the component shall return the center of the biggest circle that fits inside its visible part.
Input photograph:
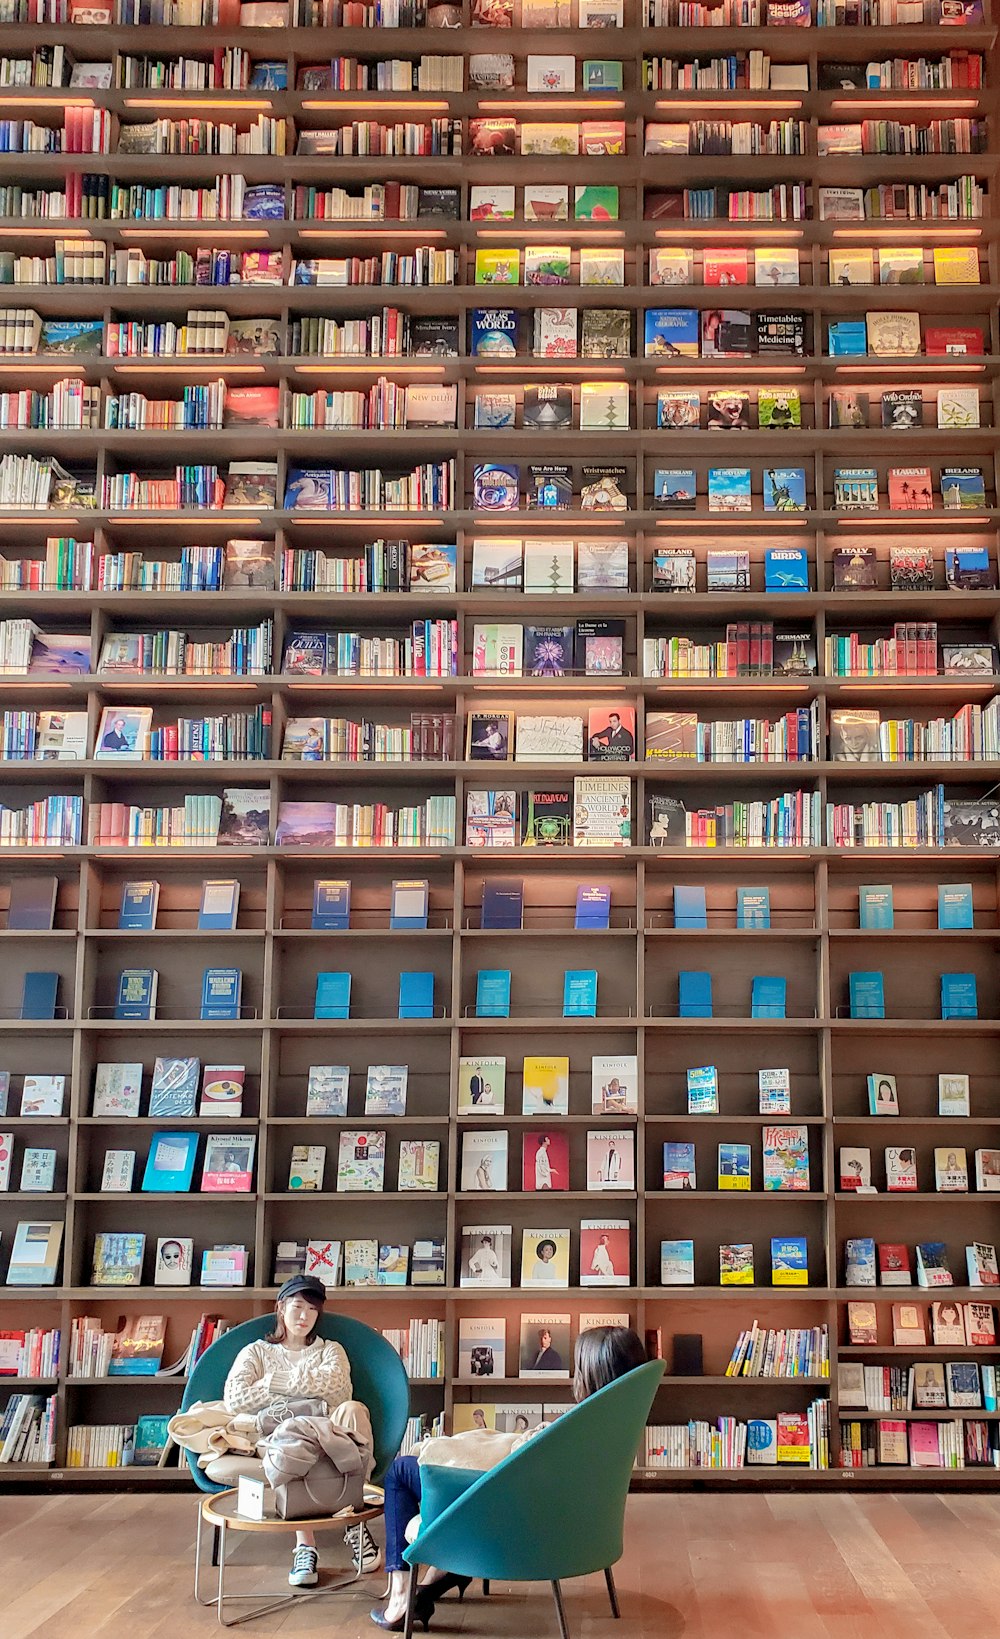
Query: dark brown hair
(603, 1354)
(279, 1334)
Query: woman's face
(546, 1252)
(479, 1419)
(299, 1316)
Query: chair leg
(560, 1611)
(411, 1599)
(612, 1592)
(215, 1545)
(486, 1586)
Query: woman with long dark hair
(603, 1354)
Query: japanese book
(859, 1262)
(951, 1170)
(614, 1085)
(947, 1324)
(174, 1089)
(953, 1095)
(38, 1171)
(393, 1265)
(42, 1095)
(862, 1323)
(736, 1264)
(677, 1263)
(419, 1164)
(605, 1252)
(734, 1166)
(679, 1166)
(117, 1089)
(789, 1260)
(894, 1264)
(611, 1160)
(484, 1161)
(932, 1264)
(222, 1090)
(882, 1099)
(545, 1347)
(322, 1261)
(326, 1089)
(929, 1392)
(545, 1086)
(773, 1092)
(360, 1262)
(227, 1167)
(544, 1257)
(173, 1262)
(306, 1167)
(786, 1158)
(486, 1252)
(117, 1259)
(900, 1169)
(855, 1168)
(987, 1170)
(361, 1162)
(385, 1090)
(703, 1090)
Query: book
(953, 1094)
(544, 1346)
(333, 996)
(734, 1167)
(493, 993)
(173, 1261)
(611, 1160)
(774, 1095)
(306, 1166)
(894, 1264)
(545, 1085)
(484, 1161)
(416, 995)
(736, 1266)
(882, 1096)
(605, 1253)
(323, 1261)
(221, 993)
(227, 1165)
(959, 996)
(677, 1263)
(867, 997)
(331, 907)
(117, 1089)
(361, 1162)
(753, 908)
(767, 996)
(580, 993)
(222, 1090)
(789, 1260)
(485, 1255)
(951, 1169)
(679, 1166)
(900, 1169)
(118, 1259)
(955, 905)
(544, 1161)
(875, 906)
(42, 1095)
(136, 994)
(694, 994)
(218, 906)
(481, 1084)
(932, 1264)
(703, 1090)
(689, 907)
(786, 1158)
(544, 1258)
(170, 1163)
(419, 1164)
(39, 996)
(174, 1088)
(855, 1168)
(593, 906)
(482, 1347)
(859, 1261)
(614, 1085)
(862, 1323)
(409, 903)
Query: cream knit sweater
(264, 1371)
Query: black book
(548, 651)
(600, 648)
(843, 77)
(550, 488)
(548, 819)
(667, 822)
(443, 202)
(902, 408)
(434, 336)
(778, 334)
(548, 406)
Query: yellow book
(545, 1086)
(736, 1264)
(956, 265)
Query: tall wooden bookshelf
(814, 940)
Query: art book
(361, 1162)
(545, 1086)
(605, 1252)
(419, 1164)
(484, 1161)
(545, 1257)
(545, 1346)
(486, 1253)
(614, 1085)
(544, 1161)
(481, 1085)
(611, 1160)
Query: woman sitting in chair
(602, 1354)
(294, 1364)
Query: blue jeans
(402, 1503)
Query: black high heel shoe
(429, 1593)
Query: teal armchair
(554, 1509)
(377, 1374)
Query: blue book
(694, 994)
(408, 903)
(753, 907)
(39, 994)
(789, 1260)
(593, 905)
(955, 905)
(331, 912)
(503, 903)
(875, 905)
(867, 996)
(784, 490)
(136, 998)
(170, 1164)
(221, 993)
(333, 996)
(859, 1262)
(580, 993)
(847, 338)
(137, 912)
(786, 569)
(767, 996)
(493, 993)
(689, 907)
(958, 996)
(672, 332)
(218, 907)
(679, 1166)
(416, 995)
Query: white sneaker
(303, 1573)
(362, 1545)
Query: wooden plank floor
(696, 1567)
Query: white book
(484, 1161)
(117, 1089)
(119, 1166)
(953, 1095)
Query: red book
(894, 1264)
(953, 338)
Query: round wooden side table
(219, 1512)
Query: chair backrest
(555, 1508)
(378, 1377)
